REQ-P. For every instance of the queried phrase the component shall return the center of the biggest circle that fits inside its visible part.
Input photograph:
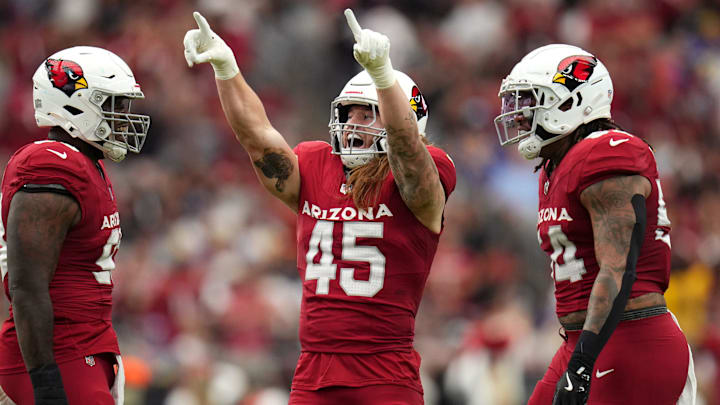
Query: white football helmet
(557, 87)
(79, 90)
(360, 90)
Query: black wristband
(588, 346)
(47, 385)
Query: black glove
(47, 385)
(573, 388)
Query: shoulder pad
(311, 147)
(610, 153)
(50, 162)
(446, 168)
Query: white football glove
(372, 51)
(203, 45)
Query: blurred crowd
(207, 292)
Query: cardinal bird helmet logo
(417, 103)
(575, 70)
(65, 75)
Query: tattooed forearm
(411, 164)
(416, 184)
(275, 165)
(602, 297)
(402, 140)
(612, 215)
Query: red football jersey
(564, 227)
(82, 286)
(363, 271)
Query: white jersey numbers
(3, 248)
(324, 271)
(370, 254)
(321, 241)
(106, 261)
(107, 258)
(572, 267)
(663, 219)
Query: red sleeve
(615, 154)
(65, 166)
(309, 147)
(298, 149)
(311, 155)
(446, 169)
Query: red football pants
(368, 395)
(84, 384)
(645, 362)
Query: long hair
(365, 182)
(601, 124)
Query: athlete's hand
(203, 45)
(372, 51)
(573, 388)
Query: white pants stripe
(118, 388)
(4, 399)
(689, 393)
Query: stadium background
(207, 294)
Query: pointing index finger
(353, 23)
(202, 23)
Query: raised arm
(274, 161)
(412, 165)
(617, 212)
(36, 229)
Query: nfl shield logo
(90, 360)
(547, 186)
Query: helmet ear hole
(382, 145)
(87, 91)
(566, 105)
(72, 110)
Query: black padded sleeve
(45, 188)
(589, 343)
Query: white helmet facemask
(87, 91)
(557, 88)
(360, 90)
(348, 139)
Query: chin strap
(531, 146)
(114, 152)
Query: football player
(603, 222)
(369, 210)
(60, 231)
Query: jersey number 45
(321, 241)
